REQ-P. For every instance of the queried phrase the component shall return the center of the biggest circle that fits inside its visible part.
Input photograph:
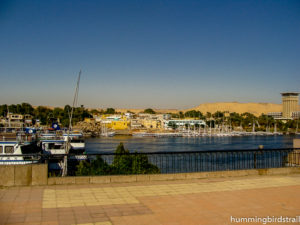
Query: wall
(30, 175)
(24, 175)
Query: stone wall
(24, 175)
(175, 176)
(37, 174)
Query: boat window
(9, 149)
(1, 149)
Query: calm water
(150, 144)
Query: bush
(123, 163)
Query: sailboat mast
(68, 145)
(74, 100)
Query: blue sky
(160, 54)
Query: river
(177, 144)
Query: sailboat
(69, 142)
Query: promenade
(186, 202)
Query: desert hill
(254, 108)
(156, 110)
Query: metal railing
(183, 162)
(221, 160)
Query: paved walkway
(205, 201)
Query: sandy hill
(142, 110)
(254, 108)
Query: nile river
(176, 144)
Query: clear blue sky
(160, 54)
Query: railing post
(254, 160)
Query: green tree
(110, 111)
(3, 110)
(194, 114)
(123, 163)
(150, 111)
(235, 119)
(27, 108)
(43, 114)
(96, 167)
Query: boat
(19, 149)
(57, 147)
(105, 132)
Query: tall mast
(74, 100)
(65, 165)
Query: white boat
(53, 146)
(58, 147)
(76, 139)
(13, 151)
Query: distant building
(290, 104)
(120, 124)
(151, 123)
(182, 123)
(136, 124)
(275, 115)
(296, 115)
(13, 120)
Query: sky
(139, 54)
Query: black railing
(181, 162)
(200, 161)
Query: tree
(235, 119)
(3, 110)
(150, 111)
(27, 108)
(173, 125)
(123, 163)
(193, 114)
(110, 111)
(43, 114)
(96, 167)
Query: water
(179, 144)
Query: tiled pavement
(204, 201)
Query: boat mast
(74, 101)
(65, 167)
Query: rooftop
(289, 94)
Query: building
(289, 104)
(151, 124)
(13, 120)
(120, 124)
(275, 115)
(183, 123)
(296, 115)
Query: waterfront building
(120, 124)
(181, 123)
(151, 123)
(136, 124)
(289, 104)
(275, 115)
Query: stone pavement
(202, 201)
